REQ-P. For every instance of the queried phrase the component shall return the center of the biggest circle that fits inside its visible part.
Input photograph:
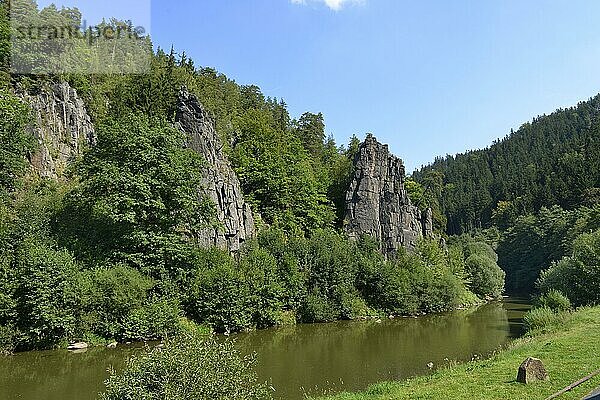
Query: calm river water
(299, 360)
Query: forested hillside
(531, 194)
(553, 160)
(109, 247)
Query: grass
(569, 352)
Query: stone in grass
(532, 370)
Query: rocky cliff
(377, 203)
(220, 183)
(62, 127)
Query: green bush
(486, 279)
(387, 286)
(191, 367)
(110, 295)
(10, 338)
(219, 294)
(554, 300)
(47, 296)
(156, 320)
(543, 319)
(317, 308)
(577, 275)
(267, 293)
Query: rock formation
(62, 127)
(377, 203)
(220, 183)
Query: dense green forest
(553, 160)
(529, 195)
(109, 251)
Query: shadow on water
(312, 359)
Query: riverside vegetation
(110, 250)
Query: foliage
(544, 319)
(480, 268)
(218, 295)
(190, 367)
(577, 275)
(554, 300)
(553, 160)
(15, 141)
(137, 200)
(47, 297)
(118, 303)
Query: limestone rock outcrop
(377, 203)
(220, 183)
(62, 127)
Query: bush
(110, 296)
(192, 367)
(156, 320)
(10, 338)
(554, 300)
(577, 275)
(317, 308)
(543, 319)
(219, 295)
(48, 299)
(486, 279)
(267, 293)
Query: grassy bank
(569, 353)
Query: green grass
(569, 353)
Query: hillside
(553, 160)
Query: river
(303, 359)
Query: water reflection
(312, 359)
(326, 358)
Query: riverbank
(312, 359)
(569, 353)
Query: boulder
(112, 345)
(532, 370)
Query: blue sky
(428, 77)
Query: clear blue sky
(427, 77)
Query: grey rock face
(220, 183)
(62, 126)
(377, 203)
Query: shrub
(47, 296)
(259, 269)
(554, 300)
(191, 367)
(317, 308)
(543, 319)
(10, 338)
(219, 295)
(110, 296)
(486, 279)
(156, 320)
(577, 275)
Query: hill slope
(555, 159)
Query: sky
(430, 77)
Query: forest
(109, 250)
